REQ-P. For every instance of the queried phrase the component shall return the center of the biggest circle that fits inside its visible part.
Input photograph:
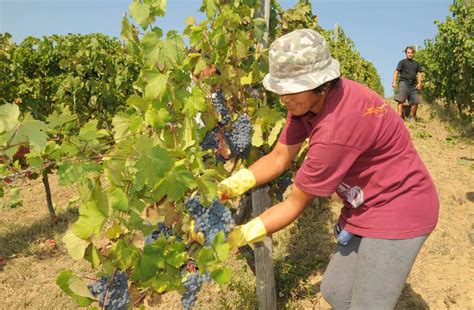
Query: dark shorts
(406, 91)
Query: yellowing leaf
(257, 136)
(75, 246)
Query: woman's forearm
(281, 215)
(270, 166)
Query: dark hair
(410, 48)
(323, 87)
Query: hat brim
(301, 83)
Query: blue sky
(380, 29)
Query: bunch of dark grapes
(282, 184)
(155, 234)
(240, 138)
(118, 295)
(192, 286)
(210, 221)
(219, 104)
(210, 140)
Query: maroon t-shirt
(360, 148)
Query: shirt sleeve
(324, 168)
(400, 65)
(294, 131)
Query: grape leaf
(118, 200)
(67, 277)
(9, 114)
(141, 13)
(221, 275)
(76, 247)
(90, 221)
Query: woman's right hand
(236, 185)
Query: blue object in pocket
(342, 236)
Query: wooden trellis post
(266, 291)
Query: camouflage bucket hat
(300, 61)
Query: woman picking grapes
(358, 148)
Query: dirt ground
(442, 277)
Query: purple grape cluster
(210, 140)
(155, 234)
(219, 104)
(282, 184)
(118, 295)
(192, 286)
(239, 138)
(210, 221)
(162, 229)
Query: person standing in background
(409, 85)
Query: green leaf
(141, 13)
(188, 133)
(90, 132)
(172, 52)
(70, 173)
(205, 257)
(207, 184)
(75, 288)
(157, 117)
(156, 85)
(151, 44)
(57, 120)
(93, 256)
(151, 156)
(90, 221)
(246, 80)
(9, 114)
(195, 103)
(14, 198)
(259, 28)
(128, 31)
(124, 255)
(200, 65)
(177, 182)
(118, 200)
(139, 103)
(34, 132)
(145, 268)
(275, 132)
(210, 7)
(221, 275)
(76, 247)
(189, 21)
(124, 125)
(257, 136)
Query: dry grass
(441, 278)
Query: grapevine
(112, 293)
(211, 220)
(150, 151)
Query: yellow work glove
(235, 185)
(253, 231)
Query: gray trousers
(369, 273)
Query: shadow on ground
(411, 300)
(18, 238)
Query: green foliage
(448, 60)
(88, 74)
(147, 160)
